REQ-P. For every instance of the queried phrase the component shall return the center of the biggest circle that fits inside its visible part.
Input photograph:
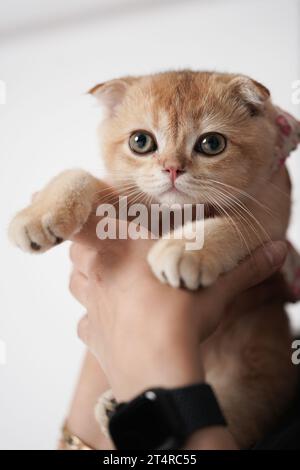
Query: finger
(112, 234)
(82, 257)
(78, 287)
(82, 329)
(264, 262)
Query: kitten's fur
(247, 360)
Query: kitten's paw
(35, 231)
(56, 213)
(171, 263)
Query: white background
(51, 52)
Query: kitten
(193, 137)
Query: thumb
(259, 266)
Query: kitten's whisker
(136, 198)
(242, 206)
(239, 232)
(249, 214)
(239, 215)
(108, 191)
(244, 193)
(115, 190)
(115, 198)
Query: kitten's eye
(142, 142)
(210, 144)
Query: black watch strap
(164, 418)
(198, 407)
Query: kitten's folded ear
(111, 94)
(251, 92)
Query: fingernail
(276, 252)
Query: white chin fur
(171, 197)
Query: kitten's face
(182, 137)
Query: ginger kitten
(194, 137)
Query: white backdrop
(48, 58)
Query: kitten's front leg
(56, 213)
(223, 249)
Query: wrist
(212, 438)
(168, 419)
(164, 372)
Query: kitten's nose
(174, 172)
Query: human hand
(144, 333)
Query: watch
(164, 418)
